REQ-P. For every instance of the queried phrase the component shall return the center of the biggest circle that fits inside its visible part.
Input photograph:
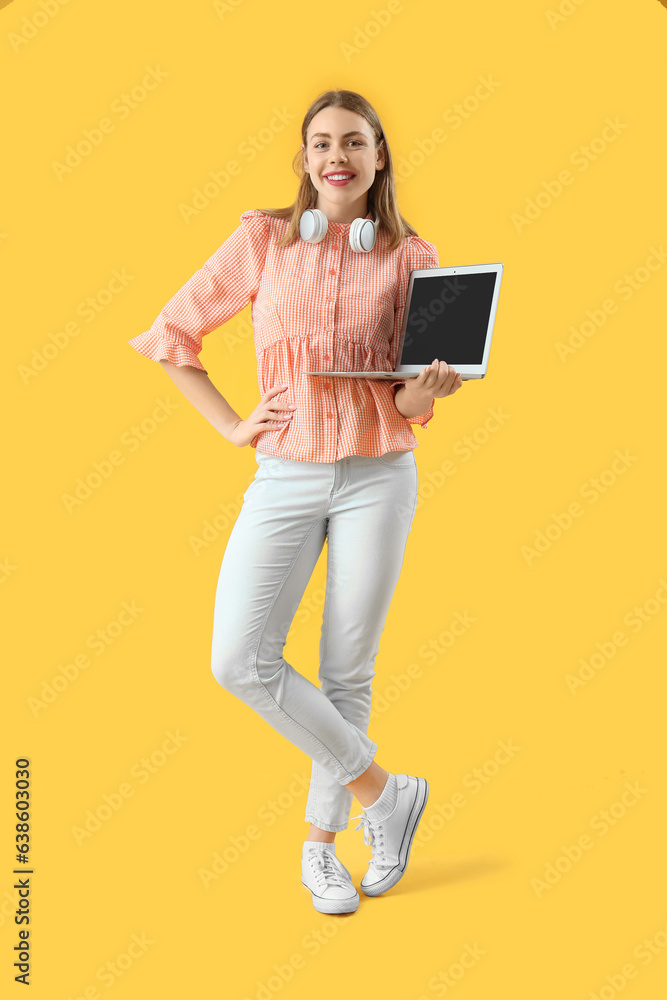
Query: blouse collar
(343, 226)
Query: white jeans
(363, 507)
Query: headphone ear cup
(313, 225)
(362, 235)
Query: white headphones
(314, 223)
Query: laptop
(449, 314)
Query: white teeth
(339, 177)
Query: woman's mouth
(338, 180)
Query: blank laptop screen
(448, 319)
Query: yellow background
(475, 872)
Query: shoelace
(373, 837)
(323, 864)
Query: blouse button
(327, 357)
(330, 414)
(332, 271)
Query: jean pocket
(397, 459)
(266, 461)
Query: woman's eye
(318, 144)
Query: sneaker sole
(396, 874)
(333, 905)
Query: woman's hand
(268, 413)
(437, 379)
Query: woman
(335, 463)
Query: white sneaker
(328, 880)
(391, 838)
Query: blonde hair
(382, 192)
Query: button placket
(328, 346)
(331, 295)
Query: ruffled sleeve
(417, 253)
(215, 293)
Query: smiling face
(341, 144)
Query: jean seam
(414, 507)
(329, 827)
(325, 613)
(315, 784)
(255, 672)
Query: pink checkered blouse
(315, 307)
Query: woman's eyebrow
(325, 135)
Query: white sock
(385, 805)
(319, 844)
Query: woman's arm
(198, 389)
(434, 381)
(411, 404)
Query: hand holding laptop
(437, 379)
